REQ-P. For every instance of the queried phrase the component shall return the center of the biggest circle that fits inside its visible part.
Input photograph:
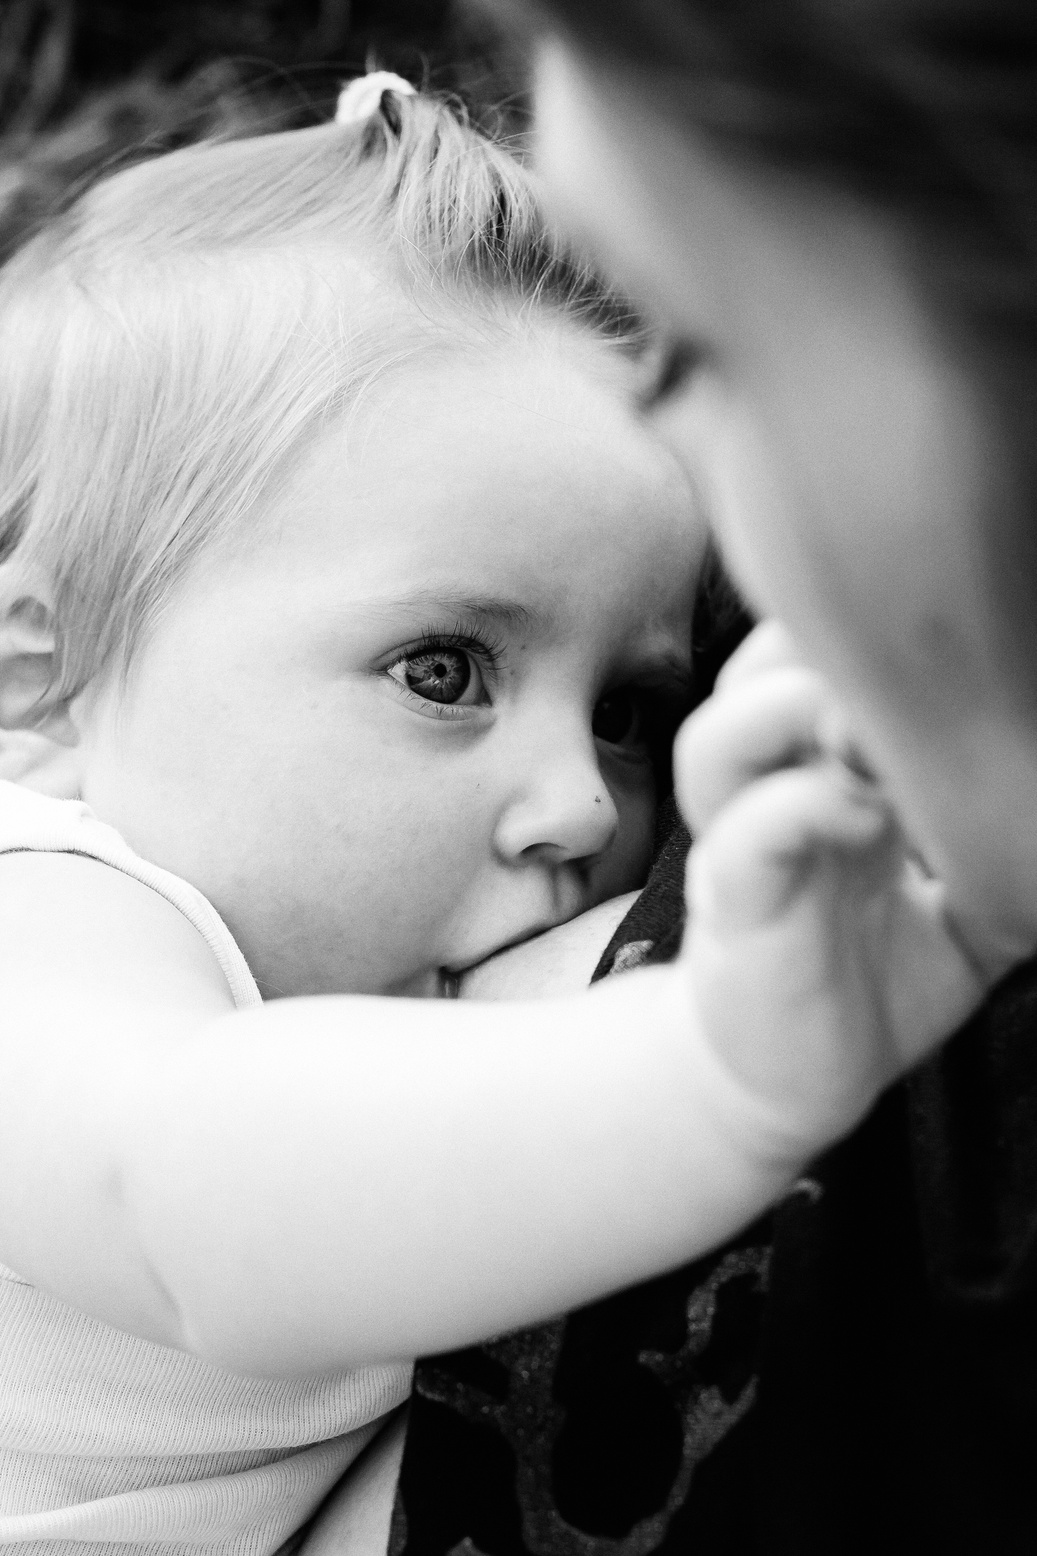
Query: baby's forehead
(486, 449)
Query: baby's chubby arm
(327, 1182)
(330, 1181)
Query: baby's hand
(821, 961)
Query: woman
(831, 208)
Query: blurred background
(86, 85)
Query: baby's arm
(323, 1182)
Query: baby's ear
(28, 661)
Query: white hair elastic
(363, 96)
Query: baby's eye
(639, 723)
(443, 675)
(617, 719)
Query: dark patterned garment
(856, 1373)
(898, 1378)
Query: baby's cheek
(625, 866)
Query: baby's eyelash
(470, 639)
(465, 635)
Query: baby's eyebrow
(502, 612)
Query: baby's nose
(562, 811)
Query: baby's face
(411, 720)
(848, 455)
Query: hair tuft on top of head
(174, 341)
(371, 94)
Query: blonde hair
(173, 343)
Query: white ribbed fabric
(34, 823)
(113, 1446)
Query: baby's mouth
(450, 978)
(449, 984)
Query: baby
(360, 606)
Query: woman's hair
(927, 111)
(174, 342)
(924, 107)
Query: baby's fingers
(768, 646)
(741, 734)
(774, 840)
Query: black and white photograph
(518, 777)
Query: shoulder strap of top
(34, 823)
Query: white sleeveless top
(113, 1446)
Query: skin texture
(37, 762)
(850, 456)
(419, 836)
